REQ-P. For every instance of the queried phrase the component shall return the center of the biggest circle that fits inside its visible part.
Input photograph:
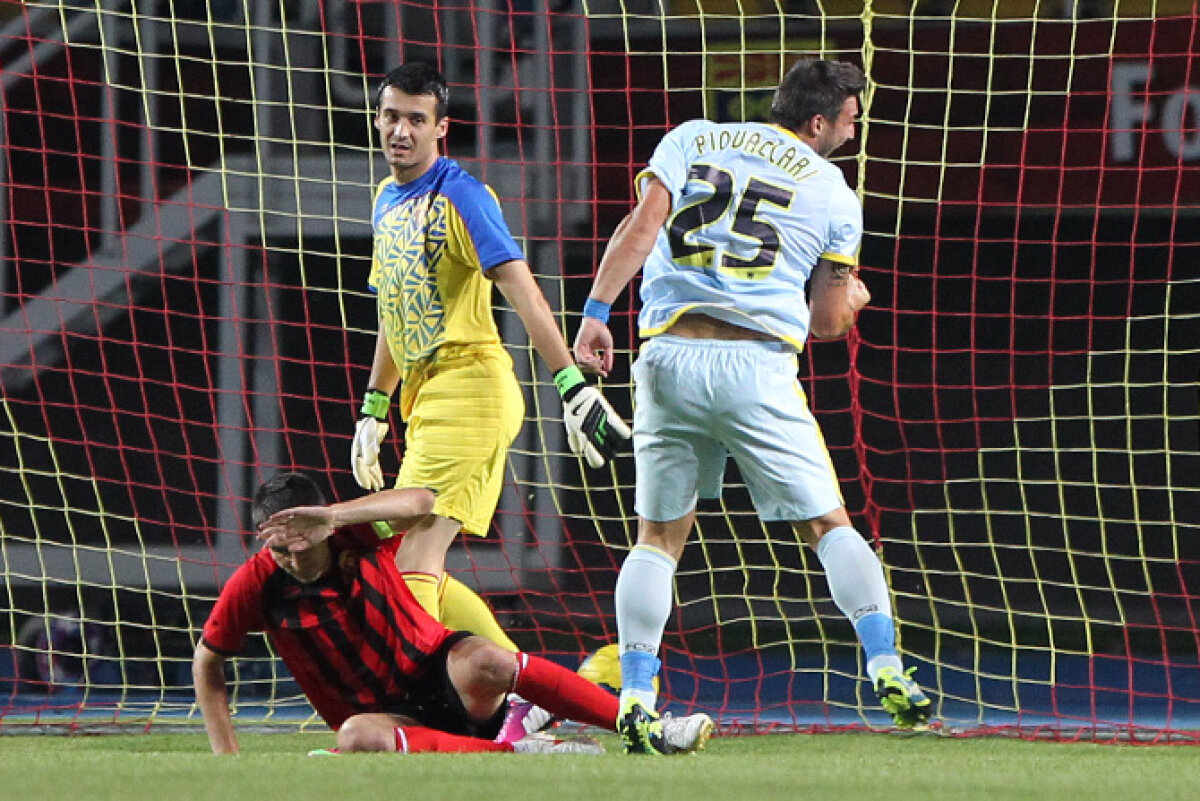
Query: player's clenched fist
(594, 346)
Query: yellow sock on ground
(463, 610)
(424, 586)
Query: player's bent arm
(625, 254)
(632, 242)
(593, 429)
(208, 676)
(303, 526)
(835, 297)
(520, 289)
(403, 508)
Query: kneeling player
(381, 672)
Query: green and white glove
(594, 430)
(368, 436)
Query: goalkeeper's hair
(417, 78)
(284, 491)
(814, 86)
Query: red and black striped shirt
(352, 639)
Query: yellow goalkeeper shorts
(463, 408)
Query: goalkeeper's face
(409, 132)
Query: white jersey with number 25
(753, 209)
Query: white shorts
(698, 400)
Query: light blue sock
(877, 633)
(644, 597)
(860, 591)
(638, 670)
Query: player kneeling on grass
(374, 664)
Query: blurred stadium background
(184, 242)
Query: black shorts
(432, 700)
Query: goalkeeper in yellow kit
(440, 244)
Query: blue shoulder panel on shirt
(480, 213)
(471, 200)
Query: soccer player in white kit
(732, 221)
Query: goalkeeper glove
(368, 436)
(593, 429)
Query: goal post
(184, 243)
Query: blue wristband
(597, 309)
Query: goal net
(184, 247)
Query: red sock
(418, 739)
(564, 692)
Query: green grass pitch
(845, 767)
